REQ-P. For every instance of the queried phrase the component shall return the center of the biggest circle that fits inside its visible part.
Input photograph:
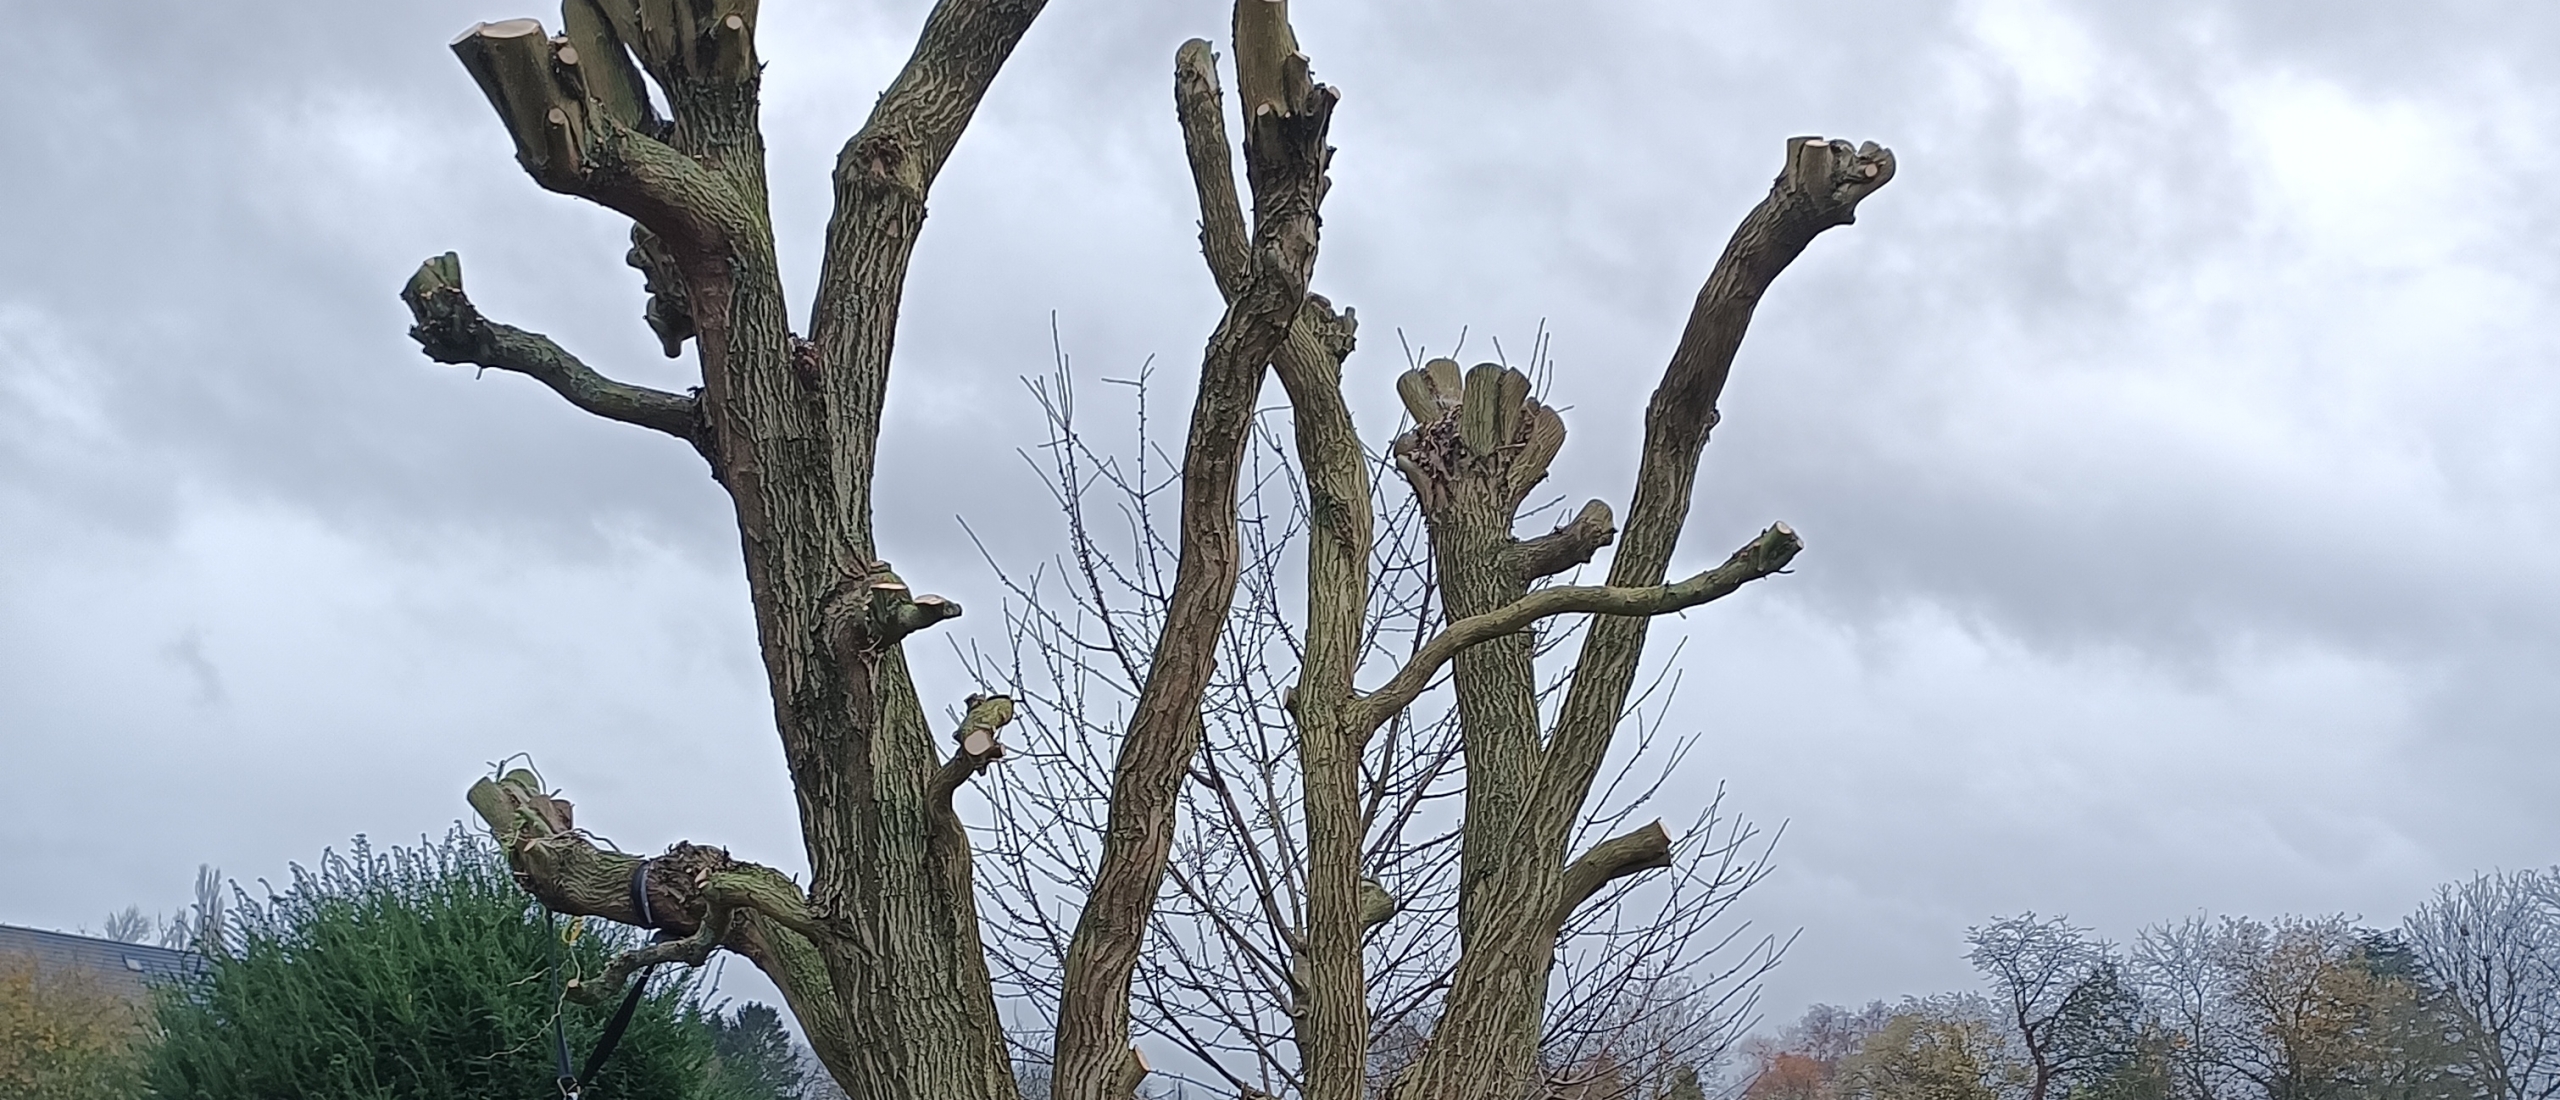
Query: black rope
(569, 1080)
(614, 1028)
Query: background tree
(880, 956)
(754, 1055)
(1803, 1060)
(2063, 998)
(2491, 946)
(416, 973)
(2294, 1009)
(64, 1035)
(1949, 1047)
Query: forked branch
(451, 330)
(1285, 160)
(572, 142)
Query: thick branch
(570, 143)
(451, 330)
(1285, 159)
(881, 179)
(1821, 186)
(562, 868)
(699, 892)
(1645, 849)
(1565, 547)
(1761, 557)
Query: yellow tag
(575, 924)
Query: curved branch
(1819, 188)
(1761, 557)
(450, 329)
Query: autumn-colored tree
(65, 1035)
(1949, 1047)
(2293, 1009)
(1787, 1075)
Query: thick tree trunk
(880, 956)
(1478, 445)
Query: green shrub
(416, 974)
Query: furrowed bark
(1342, 906)
(451, 330)
(1478, 444)
(914, 1013)
(1332, 1036)
(1092, 1058)
(1496, 996)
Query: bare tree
(880, 954)
(2492, 947)
(1647, 989)
(127, 925)
(2061, 993)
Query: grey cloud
(2171, 438)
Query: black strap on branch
(569, 1081)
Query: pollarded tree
(880, 956)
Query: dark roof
(127, 967)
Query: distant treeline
(2460, 1001)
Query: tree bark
(880, 956)
(1524, 795)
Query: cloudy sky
(2176, 441)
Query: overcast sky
(2176, 442)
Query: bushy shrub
(413, 974)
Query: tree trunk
(880, 956)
